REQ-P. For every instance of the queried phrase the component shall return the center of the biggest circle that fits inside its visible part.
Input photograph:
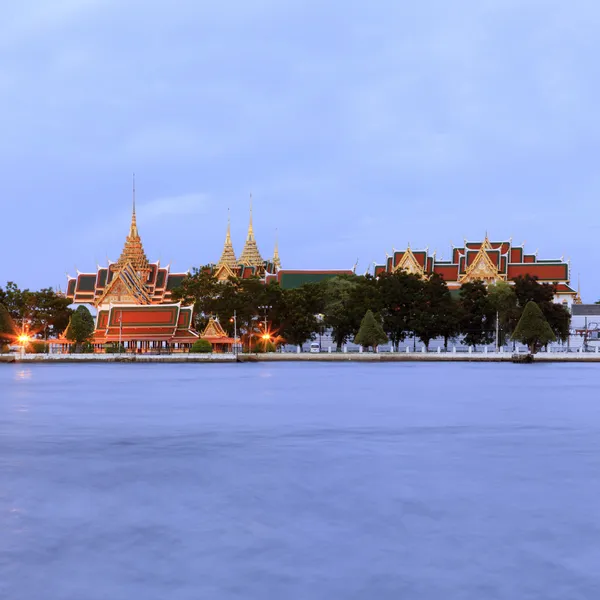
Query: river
(299, 481)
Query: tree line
(404, 305)
(400, 306)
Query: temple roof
(250, 254)
(214, 329)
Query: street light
(265, 336)
(234, 320)
(320, 318)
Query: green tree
(400, 297)
(48, 312)
(7, 328)
(371, 332)
(81, 327)
(533, 328)
(436, 314)
(339, 310)
(298, 315)
(15, 300)
(504, 302)
(201, 346)
(529, 289)
(477, 315)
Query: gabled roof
(128, 277)
(214, 329)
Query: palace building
(487, 261)
(132, 298)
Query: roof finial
(250, 228)
(133, 231)
(276, 259)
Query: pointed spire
(228, 254)
(250, 254)
(133, 251)
(577, 299)
(276, 259)
(133, 230)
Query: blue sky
(357, 127)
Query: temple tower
(250, 256)
(228, 258)
(276, 259)
(133, 251)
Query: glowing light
(266, 336)
(23, 339)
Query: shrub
(113, 348)
(37, 348)
(201, 346)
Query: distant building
(487, 261)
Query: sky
(357, 127)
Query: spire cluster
(250, 256)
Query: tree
(7, 328)
(528, 289)
(436, 314)
(371, 332)
(533, 328)
(476, 314)
(298, 316)
(15, 300)
(81, 327)
(400, 296)
(504, 302)
(339, 311)
(202, 346)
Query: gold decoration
(250, 256)
(228, 258)
(410, 264)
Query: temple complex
(132, 298)
(486, 261)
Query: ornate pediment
(410, 264)
(214, 329)
(124, 288)
(481, 268)
(224, 272)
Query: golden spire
(577, 299)
(133, 251)
(133, 230)
(250, 254)
(228, 254)
(276, 259)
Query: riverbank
(365, 357)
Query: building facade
(486, 261)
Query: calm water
(396, 481)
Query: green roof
(293, 280)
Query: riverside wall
(577, 357)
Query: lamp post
(320, 321)
(234, 319)
(120, 331)
(266, 308)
